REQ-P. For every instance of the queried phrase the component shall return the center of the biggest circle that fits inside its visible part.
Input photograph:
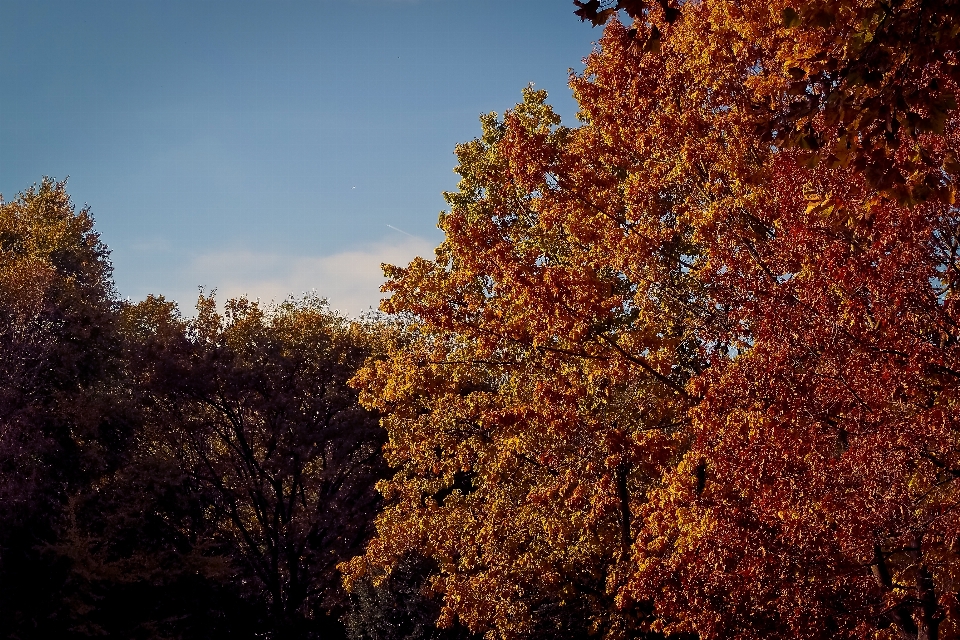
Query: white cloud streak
(350, 280)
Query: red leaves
(721, 317)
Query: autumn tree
(674, 377)
(818, 491)
(540, 384)
(145, 559)
(166, 478)
(252, 406)
(552, 339)
(163, 477)
(818, 531)
(61, 422)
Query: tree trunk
(929, 613)
(626, 540)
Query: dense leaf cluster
(851, 82)
(698, 355)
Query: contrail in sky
(401, 231)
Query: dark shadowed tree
(61, 420)
(400, 607)
(254, 408)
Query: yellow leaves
(837, 213)
(590, 279)
(24, 284)
(42, 231)
(821, 205)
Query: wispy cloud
(350, 280)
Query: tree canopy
(861, 83)
(673, 371)
(170, 477)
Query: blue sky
(266, 147)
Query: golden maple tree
(529, 400)
(666, 375)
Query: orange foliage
(852, 82)
(663, 375)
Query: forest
(687, 369)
